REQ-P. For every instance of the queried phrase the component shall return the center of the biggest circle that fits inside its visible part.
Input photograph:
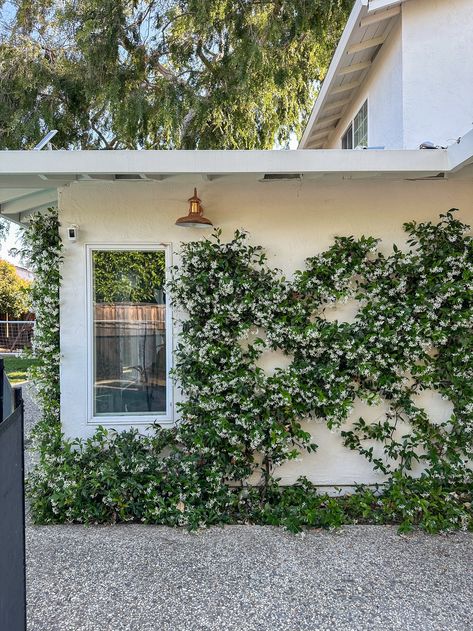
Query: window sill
(131, 421)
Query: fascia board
(74, 163)
(461, 153)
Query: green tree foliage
(13, 291)
(128, 276)
(162, 73)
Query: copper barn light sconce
(195, 218)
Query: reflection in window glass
(129, 324)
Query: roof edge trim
(359, 8)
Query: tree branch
(207, 63)
(101, 136)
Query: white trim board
(27, 165)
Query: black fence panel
(12, 510)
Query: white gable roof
(367, 29)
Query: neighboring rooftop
(24, 273)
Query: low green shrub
(122, 477)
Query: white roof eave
(67, 166)
(29, 180)
(377, 5)
(354, 18)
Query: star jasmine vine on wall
(42, 249)
(412, 332)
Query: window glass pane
(360, 127)
(129, 312)
(347, 139)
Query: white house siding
(437, 41)
(291, 220)
(383, 89)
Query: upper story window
(357, 133)
(347, 138)
(360, 127)
(130, 345)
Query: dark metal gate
(12, 509)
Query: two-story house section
(402, 74)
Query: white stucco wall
(383, 90)
(291, 220)
(437, 41)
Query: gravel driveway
(246, 578)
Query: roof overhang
(29, 180)
(17, 203)
(367, 29)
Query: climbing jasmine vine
(412, 332)
(42, 249)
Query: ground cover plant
(412, 332)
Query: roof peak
(368, 27)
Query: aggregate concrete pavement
(247, 578)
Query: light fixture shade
(195, 218)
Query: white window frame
(166, 419)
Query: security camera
(73, 232)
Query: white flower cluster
(411, 303)
(43, 251)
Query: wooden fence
(132, 334)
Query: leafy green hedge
(413, 331)
(120, 477)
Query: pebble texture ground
(245, 578)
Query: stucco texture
(291, 220)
